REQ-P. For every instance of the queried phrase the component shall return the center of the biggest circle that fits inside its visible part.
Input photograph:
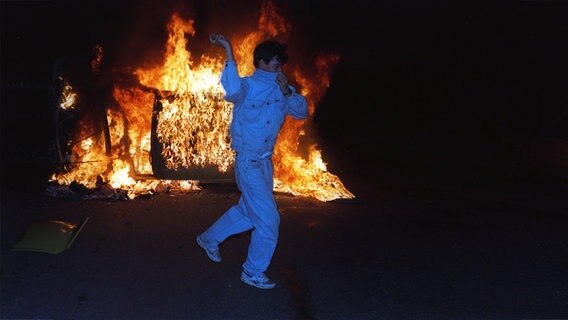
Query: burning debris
(171, 121)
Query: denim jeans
(255, 210)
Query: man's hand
(282, 82)
(219, 40)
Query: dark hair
(270, 49)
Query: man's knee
(269, 224)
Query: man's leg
(233, 221)
(258, 198)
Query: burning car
(167, 126)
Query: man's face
(272, 66)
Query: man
(261, 102)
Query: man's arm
(232, 83)
(297, 105)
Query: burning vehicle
(166, 127)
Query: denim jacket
(259, 109)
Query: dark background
(423, 88)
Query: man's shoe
(259, 281)
(213, 254)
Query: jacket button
(267, 122)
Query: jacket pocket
(251, 110)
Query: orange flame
(193, 125)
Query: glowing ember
(193, 123)
(96, 62)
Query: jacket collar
(265, 75)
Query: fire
(137, 108)
(293, 174)
(193, 122)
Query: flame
(193, 123)
(90, 165)
(68, 96)
(293, 174)
(270, 25)
(137, 108)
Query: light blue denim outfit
(258, 113)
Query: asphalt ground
(403, 249)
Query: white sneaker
(260, 281)
(213, 254)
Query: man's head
(270, 56)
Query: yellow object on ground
(49, 237)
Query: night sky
(429, 88)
